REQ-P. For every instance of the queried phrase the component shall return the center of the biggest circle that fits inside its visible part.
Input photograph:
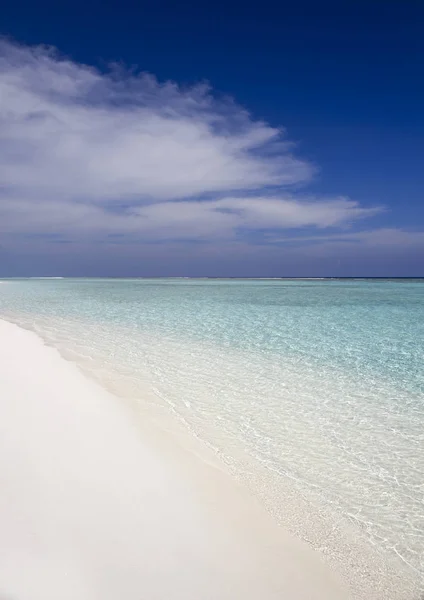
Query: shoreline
(365, 572)
(95, 509)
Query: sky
(212, 139)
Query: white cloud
(185, 219)
(76, 144)
(70, 130)
(383, 237)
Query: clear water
(318, 383)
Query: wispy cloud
(382, 238)
(89, 153)
(186, 219)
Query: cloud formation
(70, 130)
(186, 219)
(89, 153)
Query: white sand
(91, 510)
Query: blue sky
(212, 139)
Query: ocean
(311, 392)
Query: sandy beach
(89, 509)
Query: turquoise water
(315, 383)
